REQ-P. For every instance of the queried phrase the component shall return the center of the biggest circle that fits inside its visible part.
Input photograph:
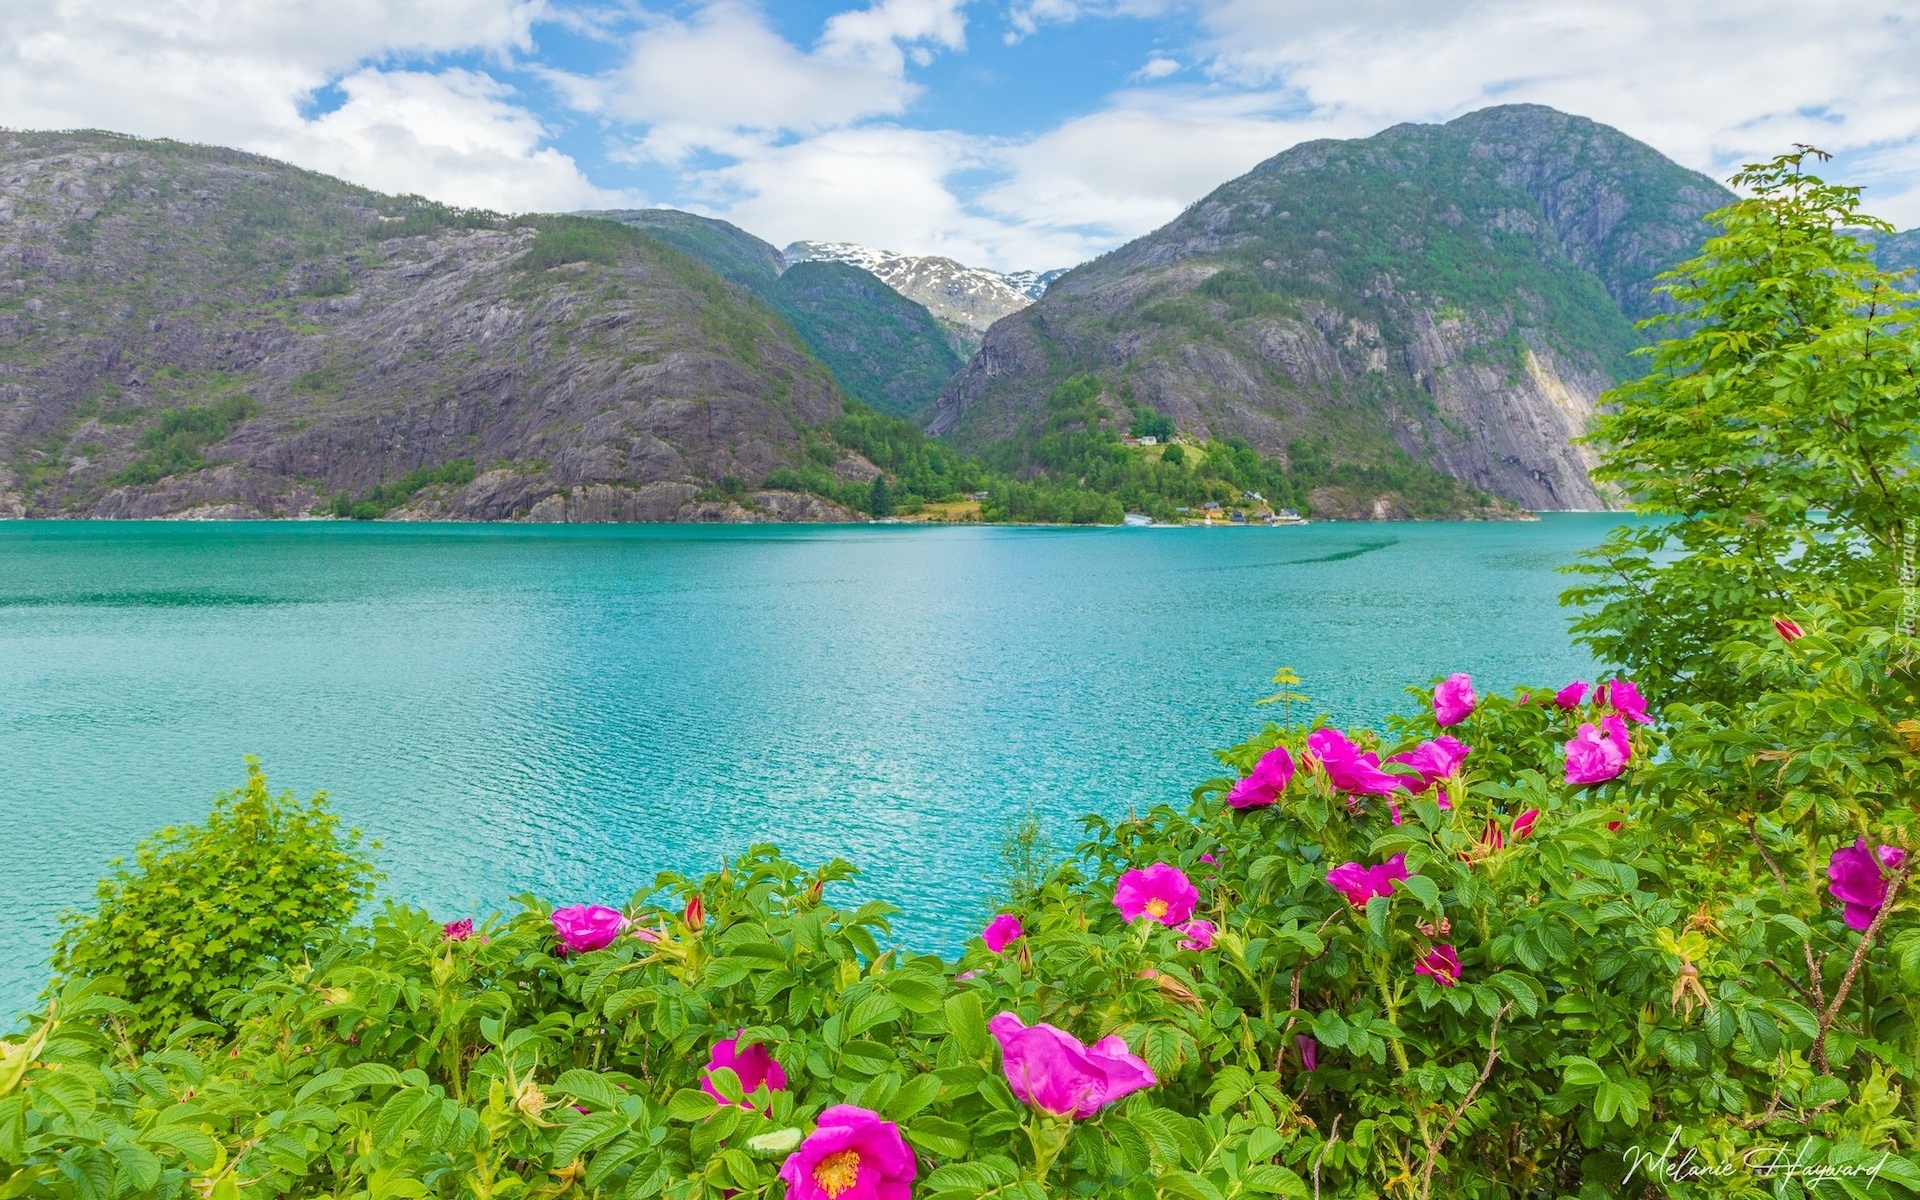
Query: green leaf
(581, 1135)
(593, 1089)
(968, 1025)
(1426, 890)
(936, 1135)
(915, 1095)
(691, 1104)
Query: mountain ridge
(201, 331)
(966, 300)
(1455, 294)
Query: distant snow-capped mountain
(965, 299)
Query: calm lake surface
(568, 710)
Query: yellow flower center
(1156, 908)
(837, 1172)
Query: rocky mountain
(1901, 252)
(1456, 294)
(966, 300)
(884, 349)
(195, 331)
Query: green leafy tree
(880, 498)
(1774, 436)
(215, 905)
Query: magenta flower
(457, 931)
(1440, 962)
(1624, 698)
(1309, 1051)
(1453, 700)
(1789, 631)
(586, 927)
(1360, 884)
(1161, 892)
(1207, 858)
(1002, 931)
(1858, 879)
(1348, 769)
(1571, 695)
(1055, 1072)
(1435, 760)
(1594, 757)
(1199, 935)
(1265, 782)
(754, 1066)
(1523, 824)
(851, 1155)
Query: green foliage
(214, 906)
(1657, 958)
(563, 240)
(1775, 435)
(880, 498)
(1149, 423)
(372, 505)
(885, 350)
(177, 441)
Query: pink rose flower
(457, 931)
(586, 927)
(1571, 695)
(1002, 931)
(1055, 1072)
(1595, 757)
(1624, 698)
(1199, 935)
(1360, 884)
(1265, 782)
(1207, 858)
(1347, 768)
(1440, 962)
(754, 1066)
(1858, 879)
(851, 1155)
(1436, 759)
(1453, 700)
(1523, 824)
(1160, 891)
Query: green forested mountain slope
(885, 350)
(1456, 295)
(186, 329)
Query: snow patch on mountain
(971, 298)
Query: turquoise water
(570, 709)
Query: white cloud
(723, 80)
(1711, 83)
(1157, 67)
(237, 73)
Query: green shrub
(377, 503)
(176, 442)
(213, 906)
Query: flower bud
(1789, 631)
(696, 914)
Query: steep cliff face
(194, 331)
(1460, 294)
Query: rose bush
(1508, 996)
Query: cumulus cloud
(240, 73)
(723, 80)
(1712, 83)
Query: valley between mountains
(1416, 324)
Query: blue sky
(1005, 133)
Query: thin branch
(1493, 1055)
(1333, 1135)
(1859, 958)
(1789, 980)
